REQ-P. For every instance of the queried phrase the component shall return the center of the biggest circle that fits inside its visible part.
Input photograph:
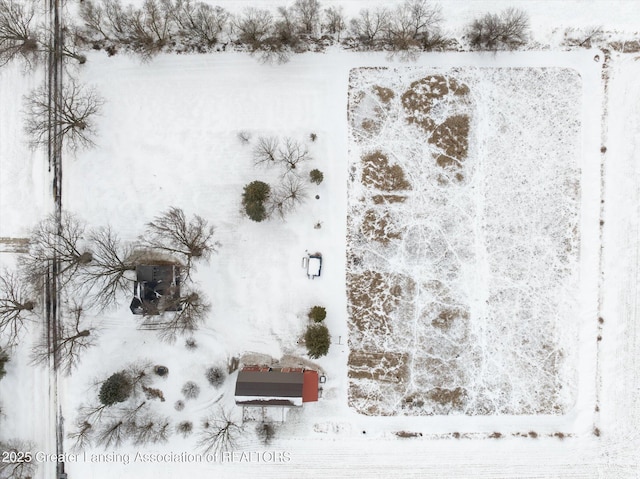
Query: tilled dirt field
(463, 240)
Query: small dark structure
(265, 386)
(156, 289)
(313, 264)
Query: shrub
(253, 198)
(179, 405)
(191, 344)
(185, 428)
(317, 313)
(117, 388)
(244, 136)
(317, 340)
(509, 30)
(190, 390)
(265, 432)
(313, 137)
(316, 176)
(215, 376)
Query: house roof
(310, 386)
(258, 386)
(154, 283)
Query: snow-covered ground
(168, 137)
(484, 243)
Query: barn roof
(275, 386)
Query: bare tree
(369, 26)
(18, 38)
(106, 275)
(173, 233)
(16, 305)
(199, 23)
(508, 29)
(95, 20)
(291, 153)
(150, 27)
(73, 113)
(113, 433)
(285, 29)
(219, 433)
(334, 21)
(13, 464)
(308, 15)
(56, 241)
(253, 26)
(82, 436)
(287, 196)
(150, 429)
(73, 338)
(413, 24)
(266, 151)
(179, 316)
(139, 374)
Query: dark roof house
(156, 289)
(265, 386)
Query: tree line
(273, 35)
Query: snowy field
(464, 240)
(521, 315)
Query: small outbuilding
(265, 386)
(313, 265)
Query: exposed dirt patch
(448, 397)
(388, 199)
(385, 94)
(452, 137)
(447, 316)
(379, 366)
(632, 46)
(425, 93)
(379, 226)
(377, 173)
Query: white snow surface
(168, 137)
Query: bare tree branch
(18, 37)
(266, 151)
(11, 467)
(413, 24)
(105, 276)
(335, 22)
(199, 23)
(173, 233)
(16, 305)
(74, 337)
(179, 316)
(220, 433)
(51, 242)
(73, 112)
(113, 433)
(287, 196)
(308, 15)
(81, 436)
(509, 30)
(369, 26)
(292, 153)
(253, 26)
